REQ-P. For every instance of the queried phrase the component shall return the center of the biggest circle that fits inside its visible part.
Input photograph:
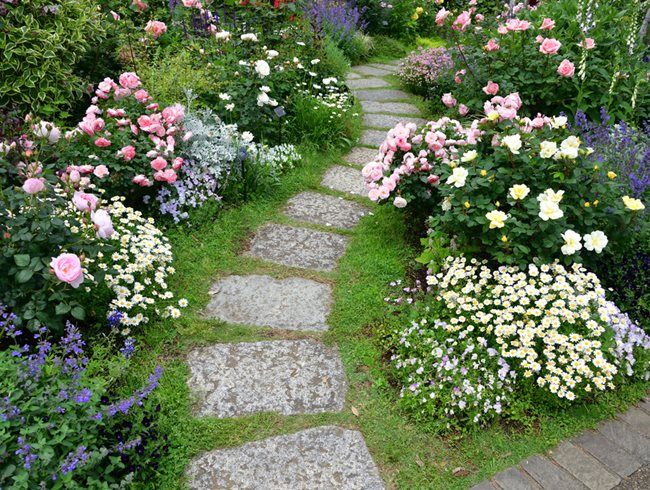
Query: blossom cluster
(421, 69)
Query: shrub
(485, 342)
(506, 187)
(421, 70)
(61, 425)
(41, 42)
(334, 61)
(562, 55)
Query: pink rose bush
(513, 186)
(135, 141)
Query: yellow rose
(611, 175)
(633, 204)
(497, 219)
(467, 204)
(519, 191)
(419, 10)
(483, 173)
(504, 239)
(415, 16)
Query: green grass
(380, 250)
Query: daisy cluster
(137, 272)
(280, 158)
(552, 324)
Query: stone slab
(360, 83)
(324, 458)
(371, 70)
(380, 95)
(484, 485)
(375, 107)
(292, 304)
(361, 156)
(325, 210)
(584, 467)
(514, 479)
(615, 459)
(345, 179)
(645, 405)
(624, 436)
(285, 376)
(382, 66)
(389, 121)
(639, 480)
(373, 137)
(549, 475)
(638, 420)
(353, 76)
(298, 247)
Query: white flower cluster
(551, 323)
(281, 158)
(138, 270)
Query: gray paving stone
(382, 66)
(389, 121)
(584, 467)
(373, 137)
(325, 210)
(324, 458)
(645, 405)
(380, 95)
(298, 247)
(292, 304)
(624, 436)
(614, 458)
(359, 83)
(484, 485)
(345, 179)
(639, 480)
(285, 376)
(361, 156)
(404, 108)
(393, 62)
(371, 70)
(514, 479)
(353, 76)
(549, 475)
(638, 420)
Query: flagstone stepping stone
(373, 137)
(367, 83)
(298, 247)
(352, 76)
(325, 210)
(370, 106)
(549, 475)
(484, 485)
(323, 458)
(360, 155)
(638, 420)
(387, 67)
(514, 479)
(379, 95)
(345, 179)
(371, 70)
(624, 436)
(614, 458)
(292, 304)
(285, 376)
(584, 467)
(389, 121)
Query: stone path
(290, 377)
(615, 455)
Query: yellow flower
(587, 204)
(595, 167)
(419, 10)
(596, 202)
(611, 175)
(633, 204)
(519, 191)
(497, 204)
(493, 115)
(497, 219)
(504, 239)
(483, 173)
(467, 204)
(415, 16)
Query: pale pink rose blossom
(550, 46)
(539, 38)
(141, 180)
(566, 69)
(115, 15)
(84, 202)
(491, 45)
(502, 30)
(128, 153)
(463, 109)
(441, 16)
(33, 186)
(177, 163)
(448, 100)
(129, 80)
(517, 25)
(142, 96)
(100, 171)
(587, 43)
(462, 21)
(67, 268)
(158, 163)
(102, 142)
(103, 224)
(173, 114)
(491, 88)
(547, 24)
(155, 28)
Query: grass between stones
(380, 250)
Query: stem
(460, 51)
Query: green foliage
(357, 48)
(41, 43)
(334, 60)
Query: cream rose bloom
(497, 218)
(513, 142)
(458, 177)
(519, 191)
(547, 149)
(571, 242)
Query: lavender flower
(340, 19)
(74, 460)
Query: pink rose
(191, 3)
(139, 4)
(141, 96)
(491, 45)
(84, 202)
(168, 176)
(479, 18)
(103, 224)
(155, 28)
(588, 43)
(173, 114)
(102, 142)
(550, 46)
(463, 109)
(128, 152)
(547, 24)
(517, 25)
(491, 88)
(177, 163)
(115, 15)
(33, 186)
(457, 76)
(129, 80)
(141, 180)
(566, 69)
(462, 21)
(441, 16)
(67, 268)
(448, 100)
(158, 163)
(100, 171)
(502, 30)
